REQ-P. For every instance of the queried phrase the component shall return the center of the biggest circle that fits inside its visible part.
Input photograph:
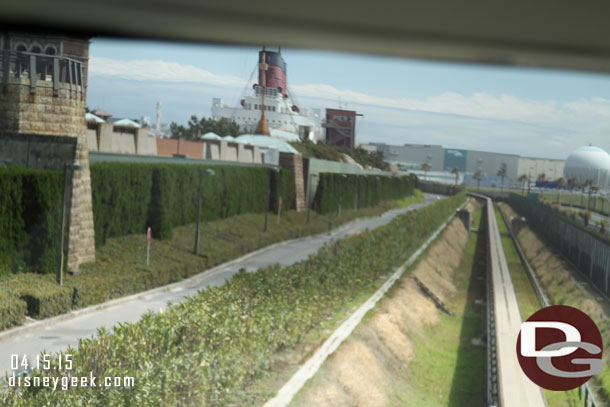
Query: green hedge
(44, 298)
(30, 202)
(360, 191)
(205, 350)
(12, 310)
(121, 197)
(127, 198)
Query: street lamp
(69, 168)
(343, 176)
(210, 172)
(276, 170)
(308, 203)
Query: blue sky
(534, 112)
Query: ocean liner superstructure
(270, 101)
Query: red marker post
(148, 238)
(279, 210)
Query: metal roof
(267, 142)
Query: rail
(33, 69)
(507, 384)
(589, 398)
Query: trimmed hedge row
(12, 310)
(127, 198)
(361, 191)
(204, 350)
(30, 202)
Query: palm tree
(502, 174)
(542, 178)
(572, 184)
(561, 183)
(522, 179)
(478, 175)
(456, 172)
(589, 185)
(426, 167)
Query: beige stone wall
(294, 162)
(63, 115)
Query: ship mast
(263, 127)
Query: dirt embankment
(363, 371)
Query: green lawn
(449, 370)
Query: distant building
(589, 163)
(341, 127)
(411, 157)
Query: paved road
(514, 388)
(65, 332)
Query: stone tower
(43, 82)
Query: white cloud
(477, 105)
(157, 70)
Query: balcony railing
(17, 67)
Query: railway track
(507, 384)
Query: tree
(561, 183)
(478, 175)
(523, 179)
(572, 182)
(426, 167)
(197, 127)
(589, 185)
(456, 172)
(542, 178)
(502, 174)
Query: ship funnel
(275, 75)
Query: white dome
(589, 162)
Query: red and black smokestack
(276, 71)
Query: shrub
(29, 212)
(12, 310)
(44, 298)
(121, 197)
(359, 190)
(127, 198)
(586, 217)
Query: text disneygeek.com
(45, 363)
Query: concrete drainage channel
(313, 364)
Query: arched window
(46, 65)
(36, 49)
(21, 67)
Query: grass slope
(449, 370)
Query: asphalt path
(58, 333)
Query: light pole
(356, 207)
(209, 172)
(69, 168)
(309, 193)
(274, 170)
(343, 177)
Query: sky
(530, 112)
